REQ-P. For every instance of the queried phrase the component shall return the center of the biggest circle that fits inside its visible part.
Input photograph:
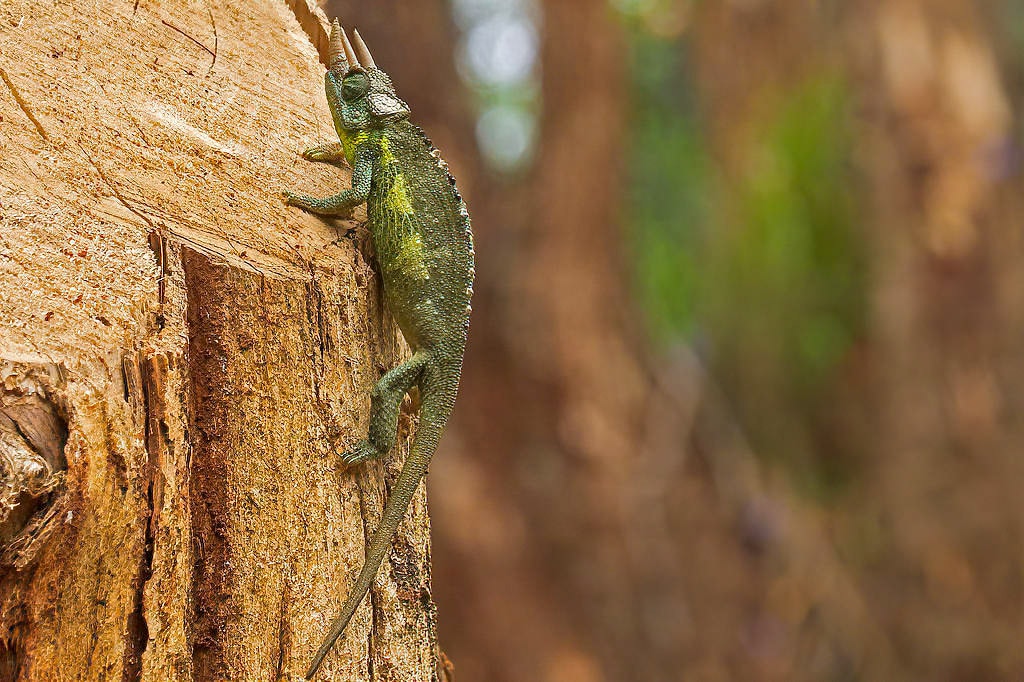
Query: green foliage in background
(668, 188)
(1010, 25)
(762, 266)
(783, 257)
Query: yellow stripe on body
(349, 143)
(410, 255)
(397, 199)
(385, 151)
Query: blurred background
(744, 388)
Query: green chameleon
(424, 247)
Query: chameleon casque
(424, 246)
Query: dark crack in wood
(23, 104)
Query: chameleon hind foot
(362, 452)
(338, 205)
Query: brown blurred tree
(946, 250)
(574, 537)
(549, 519)
(931, 532)
(599, 515)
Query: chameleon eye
(355, 86)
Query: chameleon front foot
(331, 152)
(362, 452)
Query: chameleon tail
(437, 402)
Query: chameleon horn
(352, 59)
(363, 51)
(335, 53)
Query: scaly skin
(424, 246)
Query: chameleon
(421, 233)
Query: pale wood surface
(208, 348)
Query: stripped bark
(181, 356)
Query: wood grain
(207, 349)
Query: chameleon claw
(362, 452)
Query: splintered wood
(181, 356)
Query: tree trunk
(930, 529)
(939, 131)
(182, 356)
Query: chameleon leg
(339, 204)
(345, 201)
(439, 382)
(331, 152)
(385, 402)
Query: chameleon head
(361, 94)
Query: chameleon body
(424, 246)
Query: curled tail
(439, 386)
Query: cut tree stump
(182, 357)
